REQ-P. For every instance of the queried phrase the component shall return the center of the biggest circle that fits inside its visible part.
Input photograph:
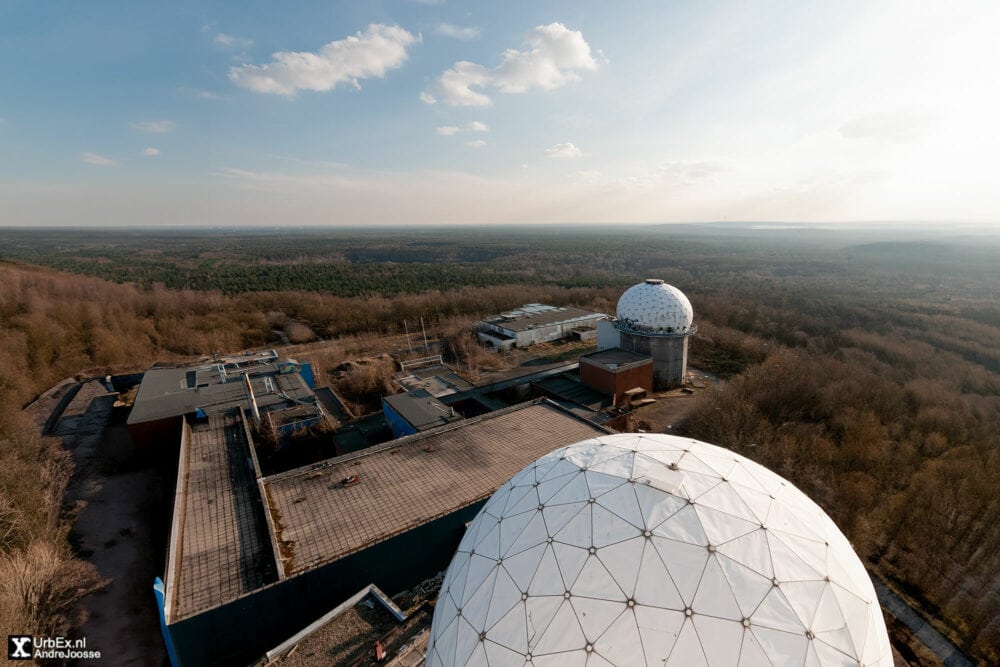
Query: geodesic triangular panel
(653, 549)
(655, 307)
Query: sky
(444, 112)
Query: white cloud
(900, 125)
(563, 150)
(155, 126)
(198, 93)
(690, 171)
(454, 85)
(466, 34)
(97, 160)
(672, 177)
(224, 41)
(366, 54)
(474, 126)
(586, 176)
(478, 143)
(151, 152)
(553, 58)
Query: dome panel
(623, 632)
(655, 307)
(659, 630)
(620, 565)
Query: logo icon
(19, 647)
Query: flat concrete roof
(576, 392)
(437, 380)
(411, 481)
(421, 410)
(171, 392)
(518, 321)
(220, 548)
(616, 357)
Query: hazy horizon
(435, 112)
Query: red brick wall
(597, 378)
(616, 383)
(637, 376)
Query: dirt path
(673, 407)
(114, 531)
(949, 654)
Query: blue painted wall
(288, 429)
(306, 371)
(397, 424)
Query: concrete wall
(157, 434)
(670, 356)
(498, 343)
(607, 336)
(241, 631)
(540, 334)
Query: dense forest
(390, 261)
(888, 420)
(863, 367)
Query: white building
(537, 323)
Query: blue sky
(263, 113)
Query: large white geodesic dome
(654, 549)
(655, 307)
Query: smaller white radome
(655, 307)
(654, 550)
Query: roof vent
(653, 281)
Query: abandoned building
(302, 541)
(537, 323)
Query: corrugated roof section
(411, 481)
